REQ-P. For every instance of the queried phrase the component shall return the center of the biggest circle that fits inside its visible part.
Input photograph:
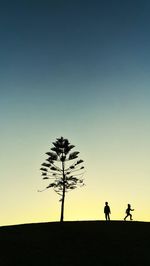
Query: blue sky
(80, 70)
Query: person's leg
(126, 217)
(131, 217)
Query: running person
(128, 212)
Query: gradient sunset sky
(81, 70)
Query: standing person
(128, 212)
(107, 211)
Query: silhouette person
(128, 212)
(107, 211)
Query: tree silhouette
(63, 169)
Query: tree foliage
(63, 169)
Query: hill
(90, 243)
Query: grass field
(91, 243)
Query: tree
(63, 169)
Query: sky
(77, 69)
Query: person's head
(129, 205)
(106, 203)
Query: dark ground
(89, 243)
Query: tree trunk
(63, 196)
(62, 207)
